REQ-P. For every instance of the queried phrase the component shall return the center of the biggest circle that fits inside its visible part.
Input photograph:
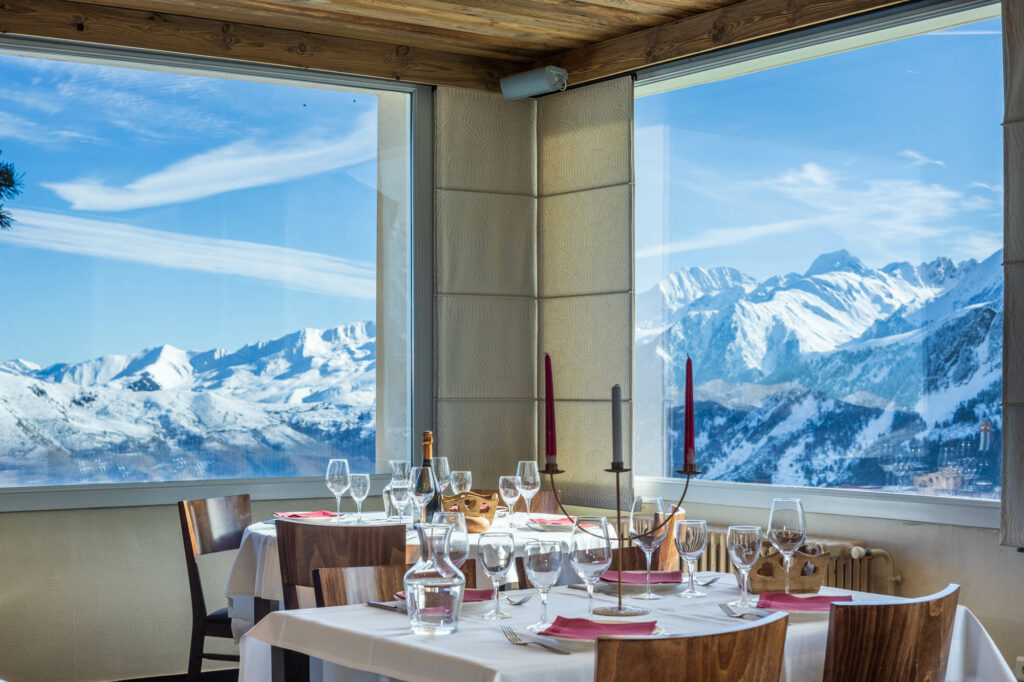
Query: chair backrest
(750, 653)
(207, 526)
(357, 585)
(302, 547)
(897, 642)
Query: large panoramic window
(824, 239)
(189, 278)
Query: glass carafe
(433, 586)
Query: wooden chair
(208, 526)
(896, 642)
(357, 585)
(750, 653)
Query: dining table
(253, 586)
(358, 643)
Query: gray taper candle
(616, 424)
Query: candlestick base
(552, 469)
(618, 468)
(620, 611)
(689, 470)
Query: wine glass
(337, 482)
(590, 552)
(744, 544)
(496, 551)
(508, 488)
(787, 529)
(401, 497)
(543, 560)
(442, 473)
(399, 472)
(462, 481)
(421, 483)
(529, 481)
(647, 529)
(458, 541)
(359, 488)
(691, 539)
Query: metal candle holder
(618, 468)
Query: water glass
(337, 482)
(399, 472)
(590, 552)
(442, 474)
(359, 488)
(462, 481)
(458, 542)
(744, 545)
(508, 488)
(401, 497)
(422, 488)
(648, 529)
(787, 529)
(529, 481)
(543, 561)
(496, 551)
(691, 539)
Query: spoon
(710, 581)
(519, 601)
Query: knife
(387, 607)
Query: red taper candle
(689, 453)
(550, 447)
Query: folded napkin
(322, 514)
(468, 596)
(792, 602)
(554, 522)
(631, 578)
(581, 628)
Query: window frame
(874, 28)
(420, 411)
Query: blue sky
(893, 152)
(165, 208)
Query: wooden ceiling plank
(327, 23)
(739, 23)
(68, 20)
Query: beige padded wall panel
(1013, 324)
(585, 277)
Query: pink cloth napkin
(657, 577)
(792, 602)
(322, 514)
(581, 628)
(468, 597)
(554, 522)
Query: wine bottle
(424, 482)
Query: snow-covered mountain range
(809, 378)
(273, 408)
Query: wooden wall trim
(98, 24)
(731, 25)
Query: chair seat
(218, 624)
(219, 616)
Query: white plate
(612, 586)
(549, 527)
(575, 640)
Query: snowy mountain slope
(804, 378)
(272, 408)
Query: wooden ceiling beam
(76, 21)
(712, 30)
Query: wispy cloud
(239, 165)
(978, 245)
(291, 268)
(998, 189)
(952, 32)
(727, 236)
(18, 128)
(919, 159)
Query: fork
(514, 638)
(732, 613)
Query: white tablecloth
(360, 638)
(256, 571)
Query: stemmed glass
(590, 552)
(442, 473)
(458, 541)
(787, 529)
(543, 561)
(648, 530)
(508, 488)
(691, 539)
(496, 552)
(744, 544)
(401, 497)
(421, 495)
(337, 482)
(529, 481)
(399, 472)
(359, 488)
(462, 481)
